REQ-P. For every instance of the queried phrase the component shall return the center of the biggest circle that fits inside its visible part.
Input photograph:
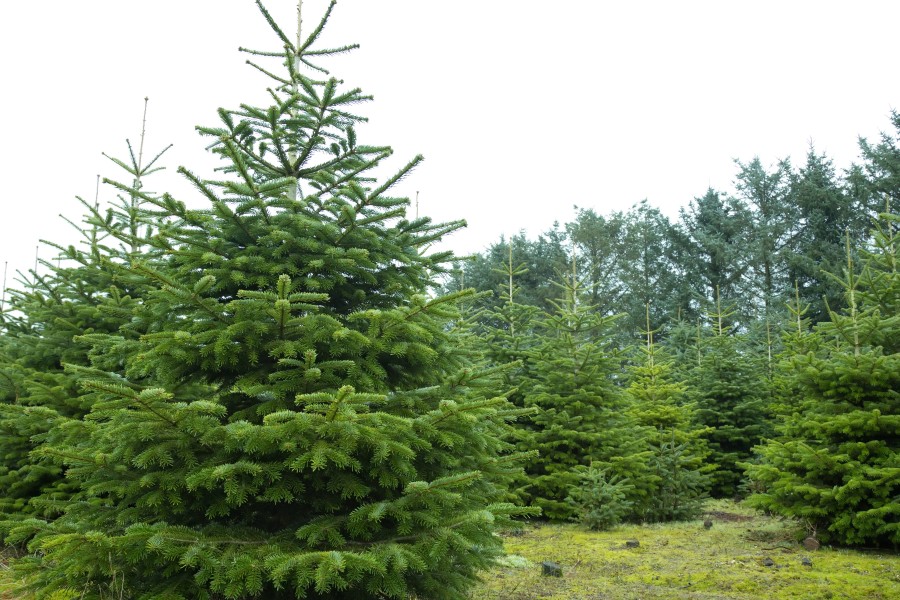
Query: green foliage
(599, 500)
(87, 290)
(712, 250)
(834, 462)
(648, 272)
(878, 178)
(506, 338)
(284, 410)
(677, 481)
(507, 330)
(828, 210)
(682, 481)
(581, 418)
(728, 384)
(597, 240)
(267, 397)
(537, 262)
(623, 260)
(773, 221)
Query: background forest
(292, 391)
(743, 350)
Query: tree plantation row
(798, 416)
(748, 349)
(271, 396)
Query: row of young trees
(787, 394)
(807, 427)
(267, 397)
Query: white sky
(521, 108)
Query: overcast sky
(522, 109)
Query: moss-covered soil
(677, 561)
(686, 560)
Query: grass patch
(672, 561)
(685, 560)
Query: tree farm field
(684, 560)
(672, 561)
(294, 390)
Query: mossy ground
(673, 561)
(685, 560)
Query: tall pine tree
(834, 462)
(87, 288)
(287, 412)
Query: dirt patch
(727, 516)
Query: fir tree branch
(12, 383)
(261, 53)
(72, 457)
(267, 72)
(310, 146)
(272, 23)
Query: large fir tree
(834, 462)
(286, 412)
(506, 337)
(647, 269)
(773, 225)
(828, 210)
(712, 252)
(507, 330)
(597, 242)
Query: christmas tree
(582, 421)
(834, 461)
(677, 480)
(287, 412)
(728, 387)
(87, 288)
(508, 330)
(506, 338)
